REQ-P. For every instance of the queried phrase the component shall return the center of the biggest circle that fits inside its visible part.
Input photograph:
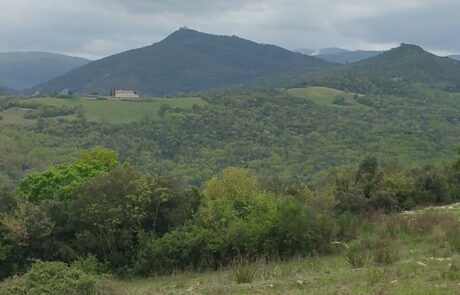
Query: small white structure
(125, 94)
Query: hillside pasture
(119, 112)
(15, 116)
(325, 96)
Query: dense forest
(272, 133)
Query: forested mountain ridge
(22, 70)
(186, 61)
(397, 71)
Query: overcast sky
(97, 28)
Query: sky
(98, 28)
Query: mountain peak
(185, 61)
(409, 49)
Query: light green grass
(116, 112)
(15, 116)
(318, 275)
(325, 96)
(418, 271)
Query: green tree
(58, 182)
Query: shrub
(297, 230)
(53, 278)
(357, 254)
(385, 252)
(186, 247)
(90, 265)
(243, 270)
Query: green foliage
(90, 265)
(54, 278)
(108, 212)
(58, 182)
(236, 218)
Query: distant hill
(186, 61)
(332, 50)
(22, 70)
(396, 71)
(4, 90)
(349, 56)
(304, 51)
(456, 57)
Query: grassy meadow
(425, 264)
(325, 96)
(107, 111)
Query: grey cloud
(96, 28)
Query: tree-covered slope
(186, 61)
(271, 132)
(397, 71)
(22, 70)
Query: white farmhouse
(125, 94)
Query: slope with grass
(325, 96)
(107, 111)
(116, 112)
(417, 259)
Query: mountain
(397, 71)
(456, 57)
(5, 91)
(412, 63)
(348, 56)
(304, 51)
(22, 70)
(332, 50)
(186, 61)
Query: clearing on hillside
(118, 112)
(15, 116)
(325, 96)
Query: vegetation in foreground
(99, 219)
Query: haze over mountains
(22, 70)
(340, 55)
(186, 61)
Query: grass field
(325, 96)
(116, 112)
(425, 266)
(15, 116)
(416, 273)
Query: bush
(90, 265)
(385, 252)
(53, 278)
(186, 247)
(295, 230)
(243, 270)
(357, 254)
